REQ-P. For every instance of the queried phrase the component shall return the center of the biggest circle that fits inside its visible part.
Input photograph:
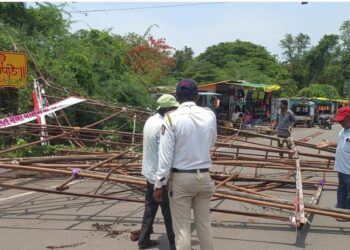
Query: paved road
(35, 221)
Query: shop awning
(333, 100)
(322, 98)
(241, 83)
(342, 100)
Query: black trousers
(151, 208)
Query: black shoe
(151, 244)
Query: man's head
(166, 103)
(343, 117)
(284, 105)
(186, 90)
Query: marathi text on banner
(30, 116)
(13, 70)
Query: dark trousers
(343, 192)
(151, 208)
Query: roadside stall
(242, 101)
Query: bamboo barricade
(232, 152)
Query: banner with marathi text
(13, 70)
(30, 116)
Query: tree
(149, 58)
(241, 61)
(182, 59)
(46, 19)
(345, 35)
(201, 71)
(345, 57)
(294, 50)
(12, 14)
(320, 57)
(319, 90)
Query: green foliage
(182, 59)
(235, 60)
(201, 71)
(294, 51)
(46, 19)
(36, 150)
(320, 57)
(239, 51)
(120, 69)
(319, 90)
(12, 13)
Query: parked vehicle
(325, 108)
(305, 113)
(324, 122)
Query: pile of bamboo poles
(247, 166)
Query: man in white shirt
(342, 158)
(188, 133)
(151, 134)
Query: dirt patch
(108, 228)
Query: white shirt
(342, 154)
(151, 134)
(187, 135)
(235, 116)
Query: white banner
(27, 117)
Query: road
(34, 221)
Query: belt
(202, 170)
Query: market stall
(241, 99)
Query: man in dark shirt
(285, 122)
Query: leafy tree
(12, 13)
(345, 57)
(238, 51)
(294, 50)
(238, 60)
(150, 58)
(46, 19)
(345, 35)
(182, 59)
(320, 57)
(319, 90)
(201, 71)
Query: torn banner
(30, 116)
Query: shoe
(151, 244)
(342, 219)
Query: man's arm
(275, 123)
(166, 152)
(326, 143)
(165, 160)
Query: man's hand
(323, 144)
(158, 194)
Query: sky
(202, 24)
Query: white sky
(205, 24)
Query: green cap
(167, 101)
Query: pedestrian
(285, 122)
(151, 136)
(188, 133)
(342, 158)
